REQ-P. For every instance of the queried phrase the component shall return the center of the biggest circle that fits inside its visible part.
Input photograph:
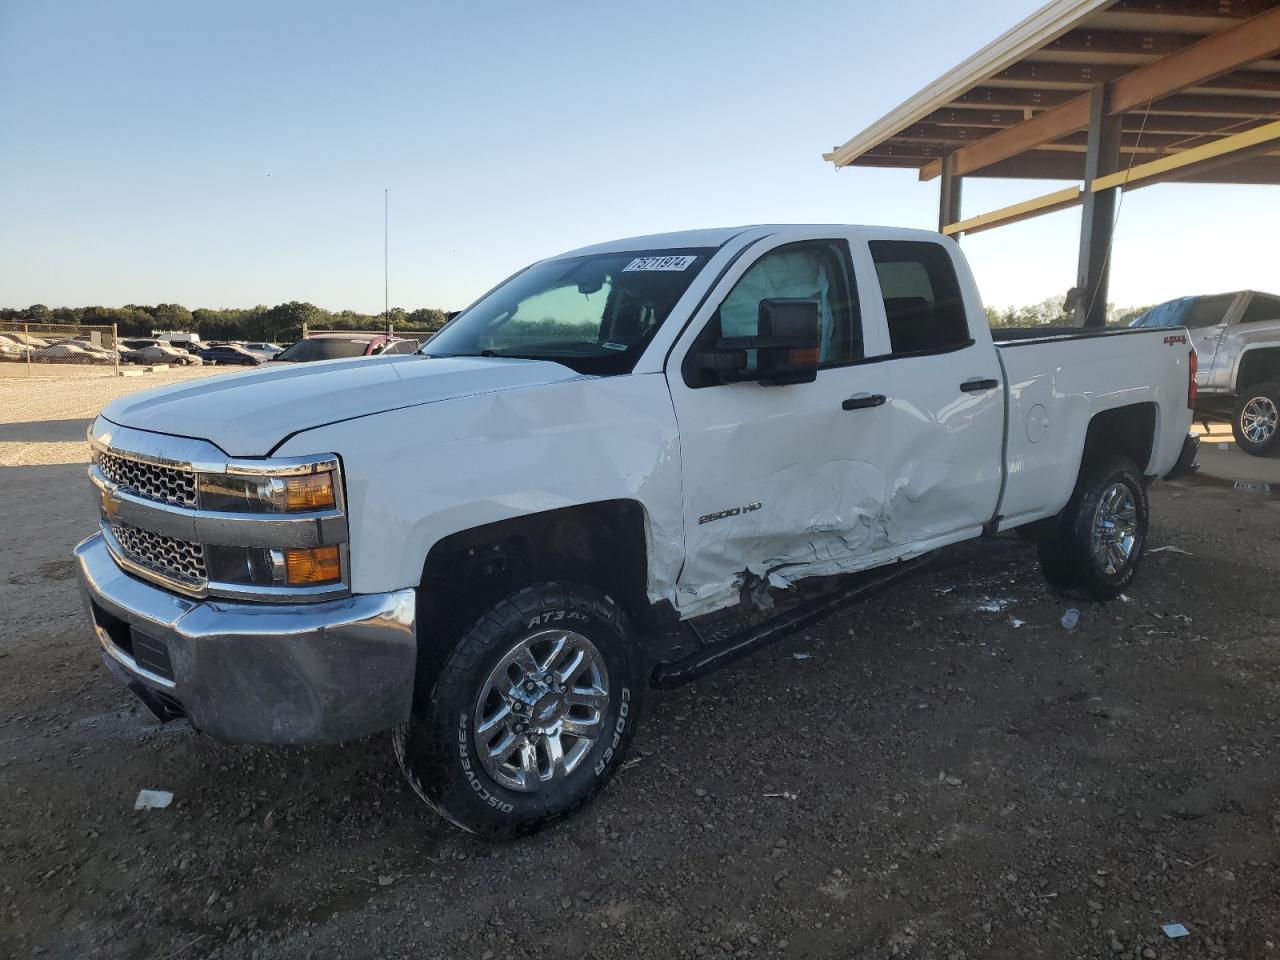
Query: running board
(675, 673)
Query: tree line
(1052, 311)
(282, 323)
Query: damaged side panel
(816, 470)
(431, 471)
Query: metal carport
(1109, 93)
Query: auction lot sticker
(659, 263)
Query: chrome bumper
(302, 673)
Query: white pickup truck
(475, 546)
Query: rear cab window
(923, 305)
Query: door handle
(864, 400)
(976, 386)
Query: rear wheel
(528, 715)
(1102, 534)
(1256, 424)
(1056, 564)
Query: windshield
(594, 313)
(328, 348)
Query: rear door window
(1261, 307)
(1208, 311)
(922, 301)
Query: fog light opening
(313, 566)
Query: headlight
(239, 493)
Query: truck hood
(249, 414)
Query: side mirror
(786, 346)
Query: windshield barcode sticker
(659, 263)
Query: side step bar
(674, 673)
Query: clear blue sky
(233, 153)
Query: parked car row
(24, 347)
(16, 346)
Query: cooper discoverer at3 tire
(528, 715)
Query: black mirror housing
(786, 346)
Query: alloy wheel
(1259, 419)
(1115, 528)
(541, 710)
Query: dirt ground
(944, 772)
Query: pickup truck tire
(528, 714)
(1256, 421)
(1102, 534)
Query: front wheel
(528, 715)
(1256, 424)
(1102, 535)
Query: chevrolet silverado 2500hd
(469, 546)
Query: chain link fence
(60, 349)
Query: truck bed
(1058, 379)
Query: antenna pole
(386, 275)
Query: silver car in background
(1237, 340)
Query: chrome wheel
(1259, 419)
(1115, 528)
(541, 710)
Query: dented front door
(780, 481)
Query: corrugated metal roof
(1066, 49)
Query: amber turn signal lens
(311, 566)
(311, 492)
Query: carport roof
(1182, 74)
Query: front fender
(419, 474)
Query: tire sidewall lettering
(619, 727)
(469, 772)
(554, 616)
(473, 781)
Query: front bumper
(303, 673)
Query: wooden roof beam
(1256, 142)
(1059, 200)
(959, 136)
(1255, 39)
(974, 117)
(1064, 77)
(1235, 9)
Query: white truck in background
(473, 546)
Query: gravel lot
(942, 772)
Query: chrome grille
(150, 480)
(167, 556)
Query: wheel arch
(1129, 431)
(1257, 365)
(602, 543)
